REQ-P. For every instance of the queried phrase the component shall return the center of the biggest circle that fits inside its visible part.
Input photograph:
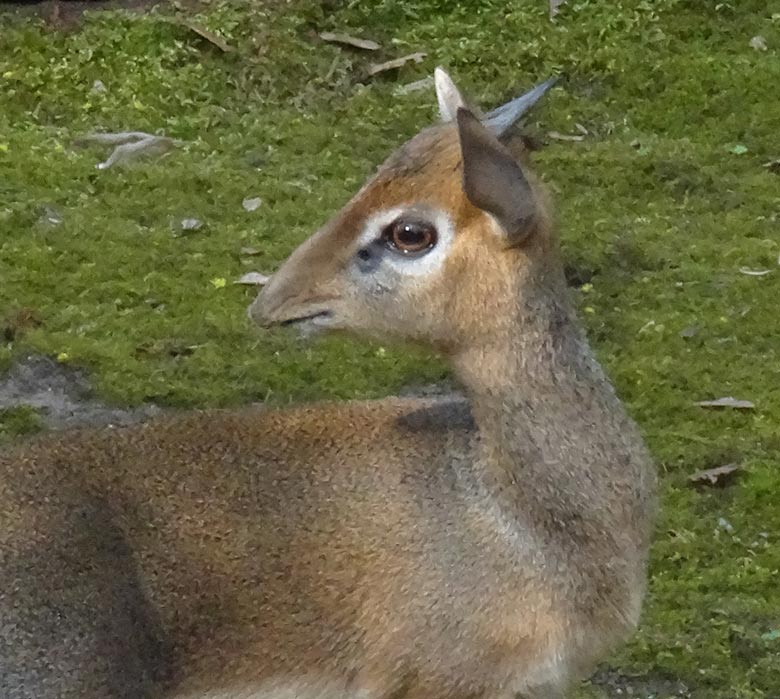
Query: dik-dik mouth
(267, 313)
(318, 318)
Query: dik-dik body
(488, 546)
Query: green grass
(660, 206)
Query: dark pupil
(412, 237)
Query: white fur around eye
(414, 264)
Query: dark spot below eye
(368, 258)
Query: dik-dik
(457, 548)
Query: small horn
(502, 118)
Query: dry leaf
(376, 68)
(565, 137)
(347, 40)
(724, 524)
(252, 203)
(190, 224)
(129, 145)
(211, 37)
(51, 215)
(758, 43)
(112, 139)
(720, 475)
(773, 166)
(156, 145)
(250, 251)
(555, 6)
(754, 272)
(252, 279)
(726, 402)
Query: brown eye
(410, 237)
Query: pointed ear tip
(443, 80)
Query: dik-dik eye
(410, 237)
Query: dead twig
(376, 68)
(347, 40)
(128, 145)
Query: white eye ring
(416, 264)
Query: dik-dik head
(433, 247)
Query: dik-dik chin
(489, 546)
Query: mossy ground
(660, 206)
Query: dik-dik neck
(542, 404)
(557, 460)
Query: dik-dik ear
(493, 181)
(449, 97)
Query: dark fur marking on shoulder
(446, 415)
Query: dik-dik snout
(295, 297)
(426, 250)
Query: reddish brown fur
(443, 549)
